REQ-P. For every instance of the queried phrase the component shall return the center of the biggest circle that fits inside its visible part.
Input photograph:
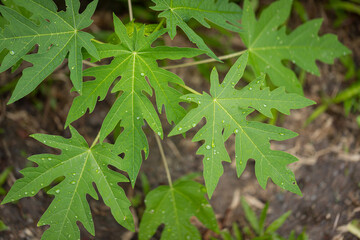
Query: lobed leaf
(134, 60)
(178, 12)
(82, 167)
(225, 110)
(174, 206)
(57, 35)
(269, 44)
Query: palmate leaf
(225, 111)
(134, 59)
(269, 44)
(174, 206)
(58, 35)
(81, 166)
(178, 12)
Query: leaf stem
(130, 10)
(163, 159)
(95, 140)
(159, 25)
(189, 89)
(90, 63)
(209, 60)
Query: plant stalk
(95, 140)
(130, 11)
(205, 60)
(163, 159)
(159, 25)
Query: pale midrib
(37, 35)
(212, 143)
(133, 114)
(287, 47)
(174, 206)
(203, 10)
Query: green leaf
(269, 44)
(275, 225)
(57, 35)
(174, 206)
(251, 216)
(82, 167)
(225, 111)
(134, 60)
(3, 227)
(262, 218)
(178, 12)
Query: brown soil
(328, 150)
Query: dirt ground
(328, 150)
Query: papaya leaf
(178, 12)
(269, 44)
(57, 35)
(225, 110)
(82, 167)
(134, 60)
(174, 206)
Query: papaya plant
(35, 31)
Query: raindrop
(74, 174)
(12, 53)
(193, 125)
(73, 182)
(282, 134)
(49, 159)
(208, 159)
(180, 128)
(142, 74)
(159, 133)
(212, 145)
(124, 218)
(73, 67)
(57, 191)
(32, 192)
(163, 212)
(199, 102)
(265, 105)
(208, 147)
(236, 131)
(26, 193)
(137, 118)
(152, 211)
(250, 88)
